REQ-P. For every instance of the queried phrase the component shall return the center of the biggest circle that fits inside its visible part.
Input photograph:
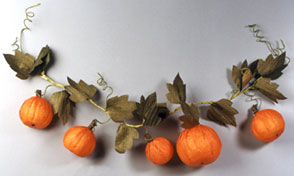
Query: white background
(139, 46)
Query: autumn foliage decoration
(197, 145)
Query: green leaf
(177, 91)
(269, 89)
(62, 106)
(222, 112)
(124, 138)
(42, 60)
(272, 67)
(81, 91)
(22, 64)
(119, 108)
(191, 112)
(150, 111)
(187, 123)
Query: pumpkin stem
(38, 93)
(148, 138)
(92, 125)
(254, 109)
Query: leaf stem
(92, 102)
(47, 78)
(197, 103)
(211, 102)
(241, 92)
(135, 126)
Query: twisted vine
(29, 14)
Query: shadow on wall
(245, 137)
(170, 130)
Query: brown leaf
(246, 77)
(222, 112)
(236, 76)
(42, 60)
(177, 91)
(269, 89)
(191, 112)
(150, 111)
(81, 91)
(62, 106)
(124, 138)
(272, 67)
(187, 123)
(22, 64)
(119, 108)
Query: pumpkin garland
(197, 145)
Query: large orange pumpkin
(80, 140)
(159, 150)
(267, 125)
(198, 146)
(36, 112)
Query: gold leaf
(22, 64)
(119, 108)
(81, 91)
(177, 91)
(124, 138)
(62, 106)
(222, 112)
(269, 89)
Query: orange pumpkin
(80, 140)
(159, 151)
(36, 112)
(267, 125)
(198, 146)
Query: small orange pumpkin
(267, 125)
(159, 151)
(198, 146)
(36, 112)
(80, 140)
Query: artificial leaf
(236, 76)
(191, 112)
(246, 77)
(81, 91)
(222, 112)
(42, 60)
(62, 105)
(119, 108)
(22, 64)
(187, 123)
(177, 91)
(269, 89)
(253, 68)
(272, 67)
(124, 138)
(152, 113)
(244, 64)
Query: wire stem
(135, 126)
(47, 78)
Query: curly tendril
(256, 99)
(29, 15)
(101, 82)
(260, 38)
